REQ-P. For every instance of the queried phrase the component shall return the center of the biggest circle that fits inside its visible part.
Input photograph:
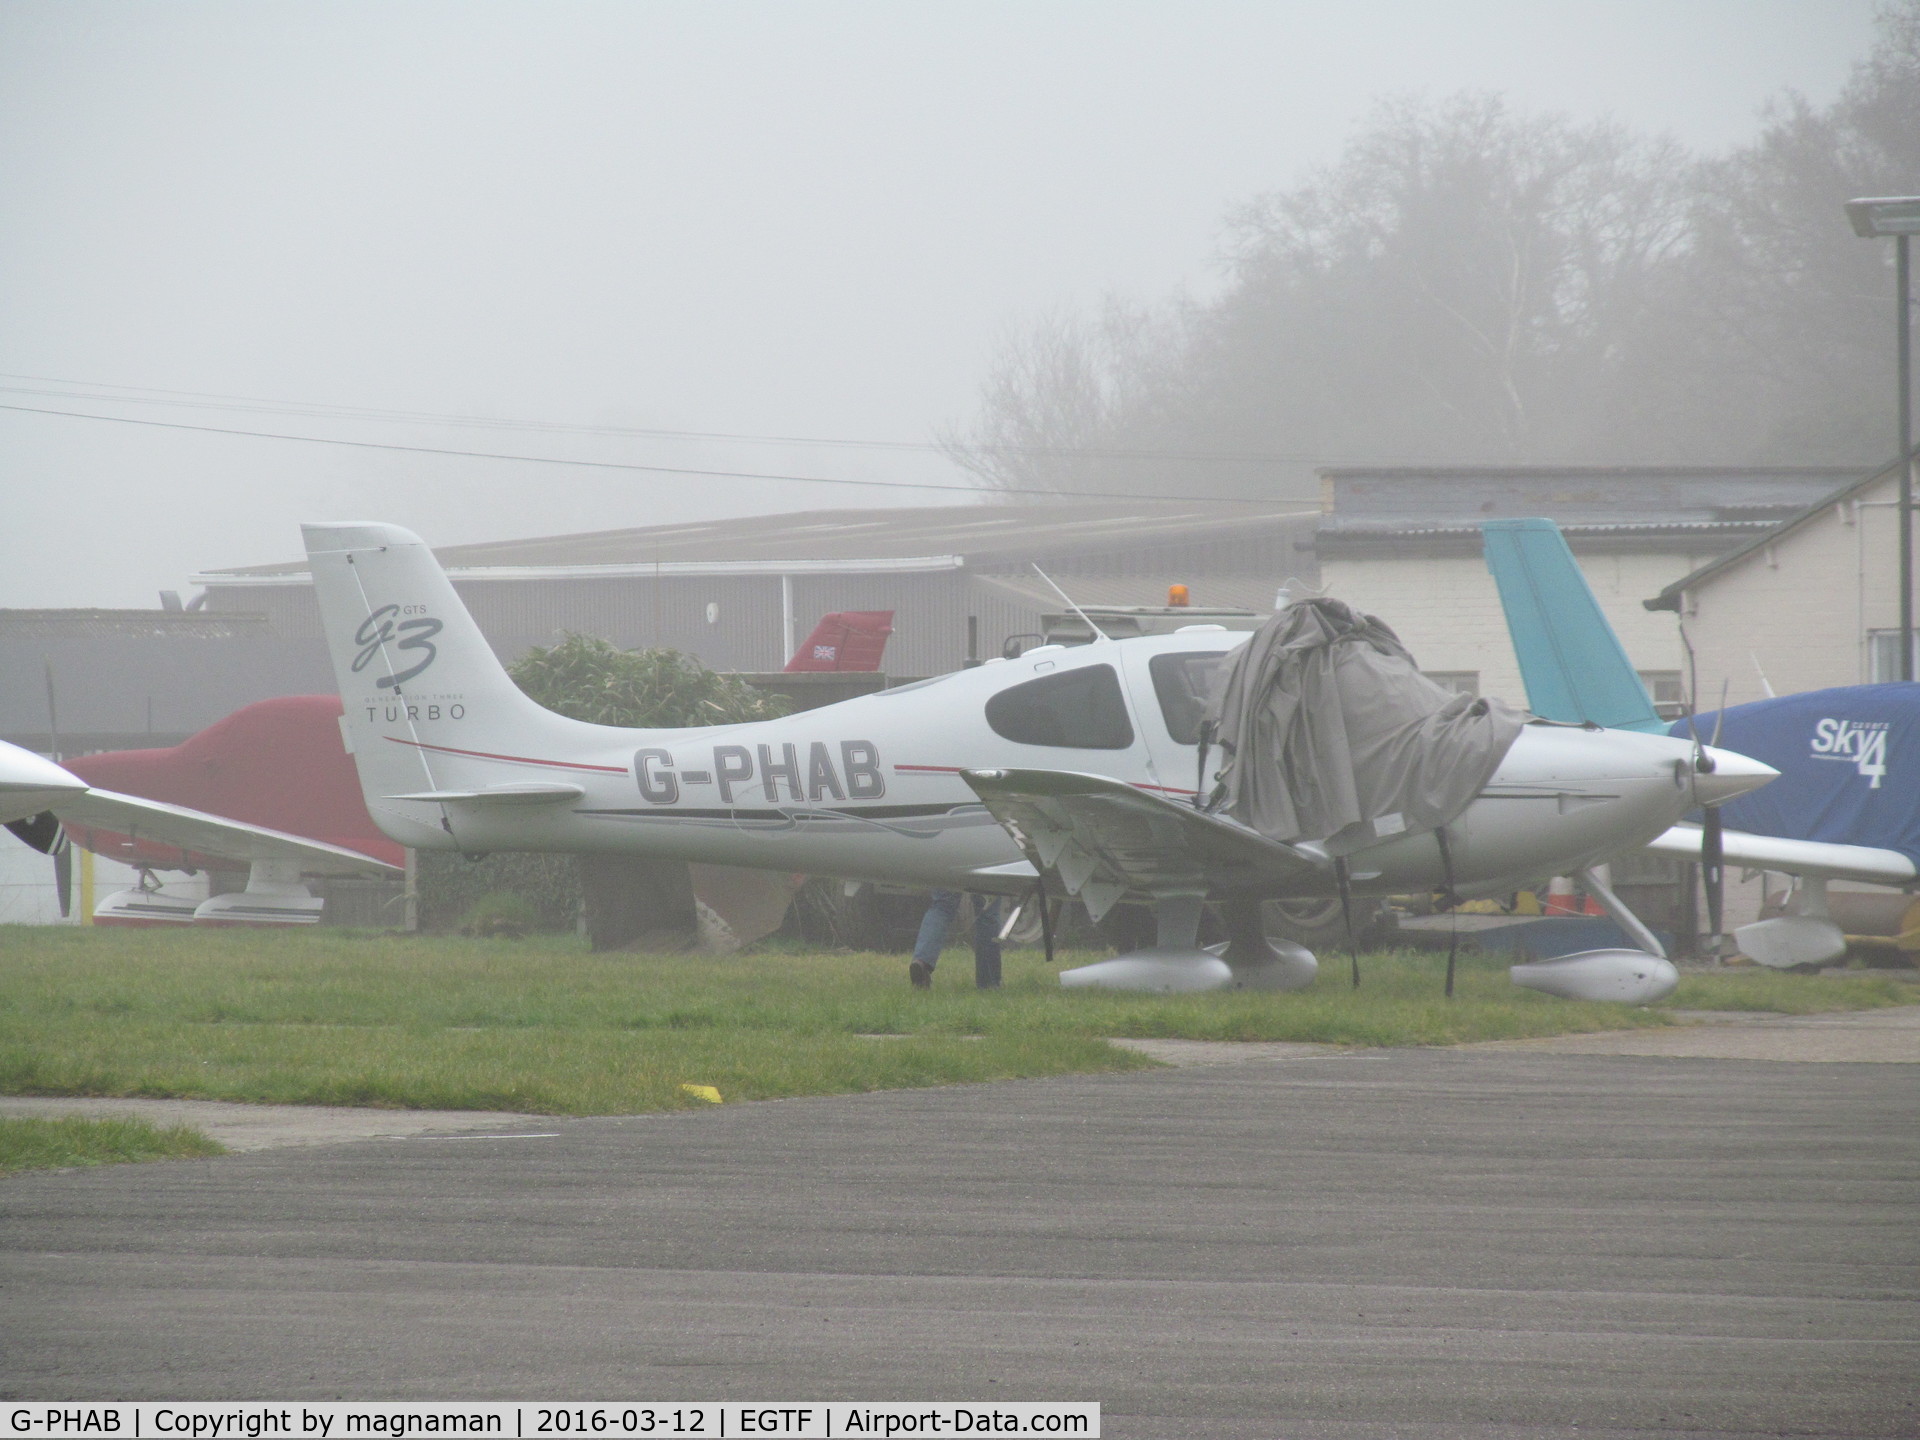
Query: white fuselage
(871, 788)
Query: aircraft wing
(1819, 859)
(1102, 839)
(196, 832)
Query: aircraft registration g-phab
(1071, 767)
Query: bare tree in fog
(1772, 341)
(1469, 283)
(1455, 286)
(1450, 289)
(1071, 402)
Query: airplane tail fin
(428, 706)
(1574, 667)
(845, 640)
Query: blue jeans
(942, 906)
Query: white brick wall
(1801, 610)
(1447, 610)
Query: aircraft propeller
(43, 832)
(63, 877)
(1713, 868)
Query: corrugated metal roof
(1240, 592)
(1409, 498)
(975, 534)
(1669, 598)
(1385, 529)
(1648, 474)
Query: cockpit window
(1079, 709)
(1182, 683)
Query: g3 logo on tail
(378, 628)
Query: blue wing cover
(1849, 763)
(1570, 658)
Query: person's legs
(986, 941)
(942, 906)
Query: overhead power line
(979, 490)
(97, 392)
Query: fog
(745, 220)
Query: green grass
(333, 1017)
(50, 1144)
(1785, 994)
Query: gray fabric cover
(1331, 733)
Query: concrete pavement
(271, 1127)
(1399, 1243)
(1880, 1037)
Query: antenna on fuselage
(1070, 605)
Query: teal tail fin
(1569, 656)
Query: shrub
(500, 915)
(450, 885)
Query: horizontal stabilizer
(530, 793)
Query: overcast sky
(772, 220)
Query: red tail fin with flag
(845, 640)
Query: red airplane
(272, 786)
(845, 640)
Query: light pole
(1876, 218)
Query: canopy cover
(1847, 759)
(1332, 734)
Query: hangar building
(1404, 544)
(741, 594)
(1810, 602)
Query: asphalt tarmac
(1389, 1243)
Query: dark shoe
(921, 975)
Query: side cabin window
(1182, 682)
(1079, 709)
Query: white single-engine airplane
(1077, 765)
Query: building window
(1664, 689)
(1461, 682)
(1883, 655)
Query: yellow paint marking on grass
(703, 1092)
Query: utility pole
(1898, 217)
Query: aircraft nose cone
(29, 783)
(1731, 776)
